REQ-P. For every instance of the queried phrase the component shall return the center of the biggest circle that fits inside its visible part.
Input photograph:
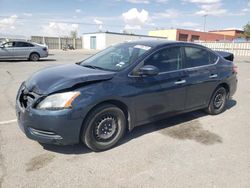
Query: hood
(62, 77)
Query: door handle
(213, 76)
(180, 82)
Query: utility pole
(205, 20)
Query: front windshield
(116, 58)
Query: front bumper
(54, 127)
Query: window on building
(195, 38)
(183, 37)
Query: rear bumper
(52, 127)
(233, 82)
(44, 54)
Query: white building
(101, 40)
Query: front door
(6, 50)
(165, 93)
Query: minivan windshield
(116, 58)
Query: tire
(218, 101)
(104, 127)
(34, 57)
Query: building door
(93, 42)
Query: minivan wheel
(34, 57)
(104, 127)
(218, 101)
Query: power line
(44, 20)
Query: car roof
(17, 41)
(159, 43)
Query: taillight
(235, 69)
(45, 49)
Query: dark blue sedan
(130, 84)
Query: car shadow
(69, 149)
(23, 60)
(152, 127)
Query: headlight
(58, 101)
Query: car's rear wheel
(104, 127)
(34, 57)
(218, 101)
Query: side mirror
(148, 70)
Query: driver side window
(168, 59)
(9, 44)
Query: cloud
(247, 9)
(138, 1)
(161, 1)
(208, 7)
(8, 23)
(146, 1)
(99, 23)
(169, 13)
(189, 24)
(78, 10)
(211, 9)
(135, 19)
(27, 14)
(202, 1)
(132, 27)
(59, 29)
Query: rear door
(202, 79)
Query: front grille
(26, 98)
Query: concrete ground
(191, 150)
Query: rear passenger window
(198, 57)
(23, 44)
(168, 59)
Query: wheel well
(226, 86)
(34, 53)
(117, 103)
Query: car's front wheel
(218, 101)
(104, 127)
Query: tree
(247, 30)
(73, 34)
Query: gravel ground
(190, 150)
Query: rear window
(198, 57)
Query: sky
(60, 17)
